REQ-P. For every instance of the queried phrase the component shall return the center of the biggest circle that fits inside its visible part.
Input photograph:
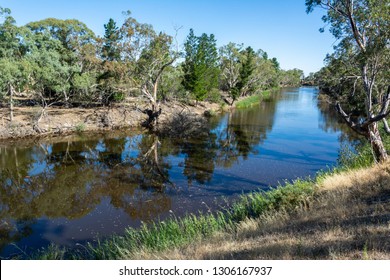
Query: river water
(75, 189)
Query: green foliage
(248, 66)
(62, 61)
(112, 37)
(249, 101)
(200, 67)
(80, 127)
(275, 63)
(360, 155)
(71, 33)
(214, 96)
(255, 99)
(171, 86)
(291, 78)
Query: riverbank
(346, 217)
(61, 121)
(255, 99)
(338, 215)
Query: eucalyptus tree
(257, 73)
(291, 77)
(149, 54)
(14, 75)
(363, 28)
(59, 48)
(230, 58)
(13, 65)
(245, 72)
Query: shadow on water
(74, 189)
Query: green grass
(255, 99)
(80, 127)
(174, 232)
(362, 156)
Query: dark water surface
(78, 188)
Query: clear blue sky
(280, 27)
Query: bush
(214, 96)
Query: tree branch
(384, 111)
(357, 128)
(386, 126)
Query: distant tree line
(62, 62)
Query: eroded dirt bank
(58, 121)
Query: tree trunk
(11, 102)
(155, 109)
(377, 143)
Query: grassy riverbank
(341, 214)
(255, 99)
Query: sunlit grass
(255, 99)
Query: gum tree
(14, 68)
(148, 55)
(362, 28)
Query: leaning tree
(362, 28)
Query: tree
(14, 76)
(150, 54)
(114, 71)
(64, 42)
(190, 48)
(200, 67)
(276, 63)
(13, 65)
(291, 77)
(230, 57)
(112, 37)
(363, 28)
(248, 66)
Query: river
(75, 189)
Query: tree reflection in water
(69, 178)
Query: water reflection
(74, 188)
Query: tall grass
(174, 232)
(360, 156)
(255, 99)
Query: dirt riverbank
(59, 120)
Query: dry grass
(348, 219)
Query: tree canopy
(62, 62)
